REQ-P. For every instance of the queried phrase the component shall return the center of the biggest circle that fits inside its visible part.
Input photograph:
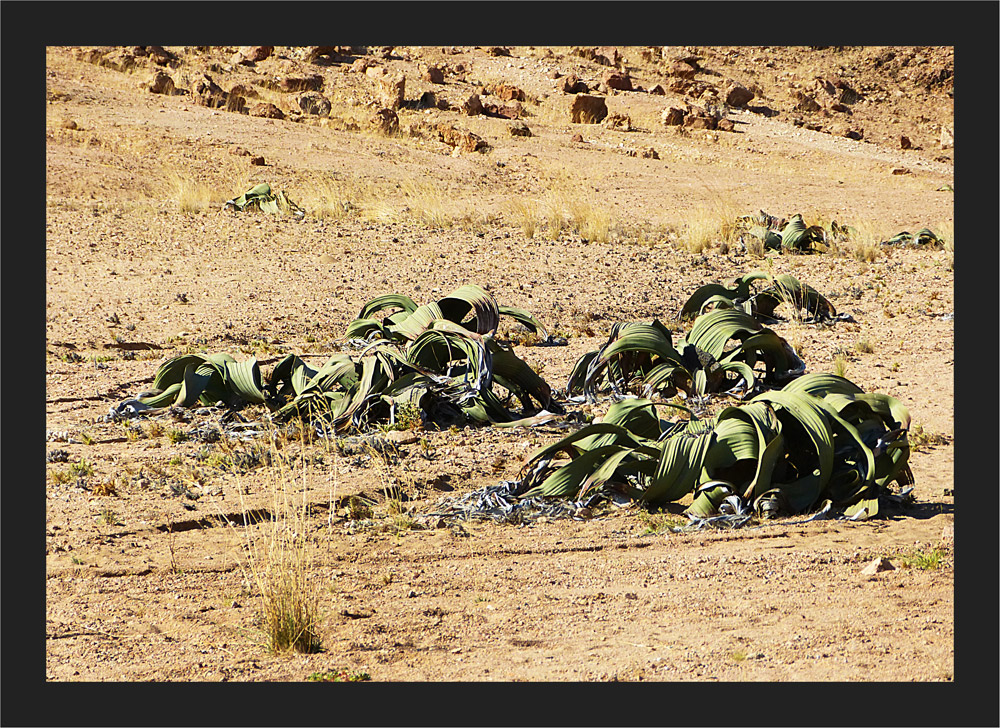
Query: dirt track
(144, 584)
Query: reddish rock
(586, 109)
(461, 139)
(649, 153)
(314, 53)
(386, 121)
(207, 92)
(238, 151)
(681, 69)
(497, 51)
(658, 90)
(805, 102)
(432, 74)
(308, 82)
(505, 111)
(257, 161)
(161, 83)
(472, 106)
(905, 143)
(267, 111)
(621, 122)
(738, 96)
(947, 140)
(254, 54)
(700, 121)
(856, 134)
(554, 74)
(362, 64)
(608, 56)
(673, 116)
(725, 125)
(617, 80)
(506, 92)
(161, 56)
(519, 129)
(314, 103)
(389, 87)
(572, 84)
(577, 138)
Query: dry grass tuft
(191, 195)
(524, 213)
(279, 561)
(711, 224)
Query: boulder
(698, 121)
(497, 51)
(361, 65)
(608, 56)
(314, 103)
(725, 125)
(587, 109)
(267, 111)
(905, 143)
(257, 161)
(617, 80)
(245, 90)
(738, 96)
(236, 104)
(658, 90)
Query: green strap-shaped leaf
(456, 305)
(568, 479)
(164, 398)
(390, 300)
(713, 330)
(679, 468)
(418, 321)
(524, 318)
(243, 379)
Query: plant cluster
(719, 353)
(443, 358)
(820, 438)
